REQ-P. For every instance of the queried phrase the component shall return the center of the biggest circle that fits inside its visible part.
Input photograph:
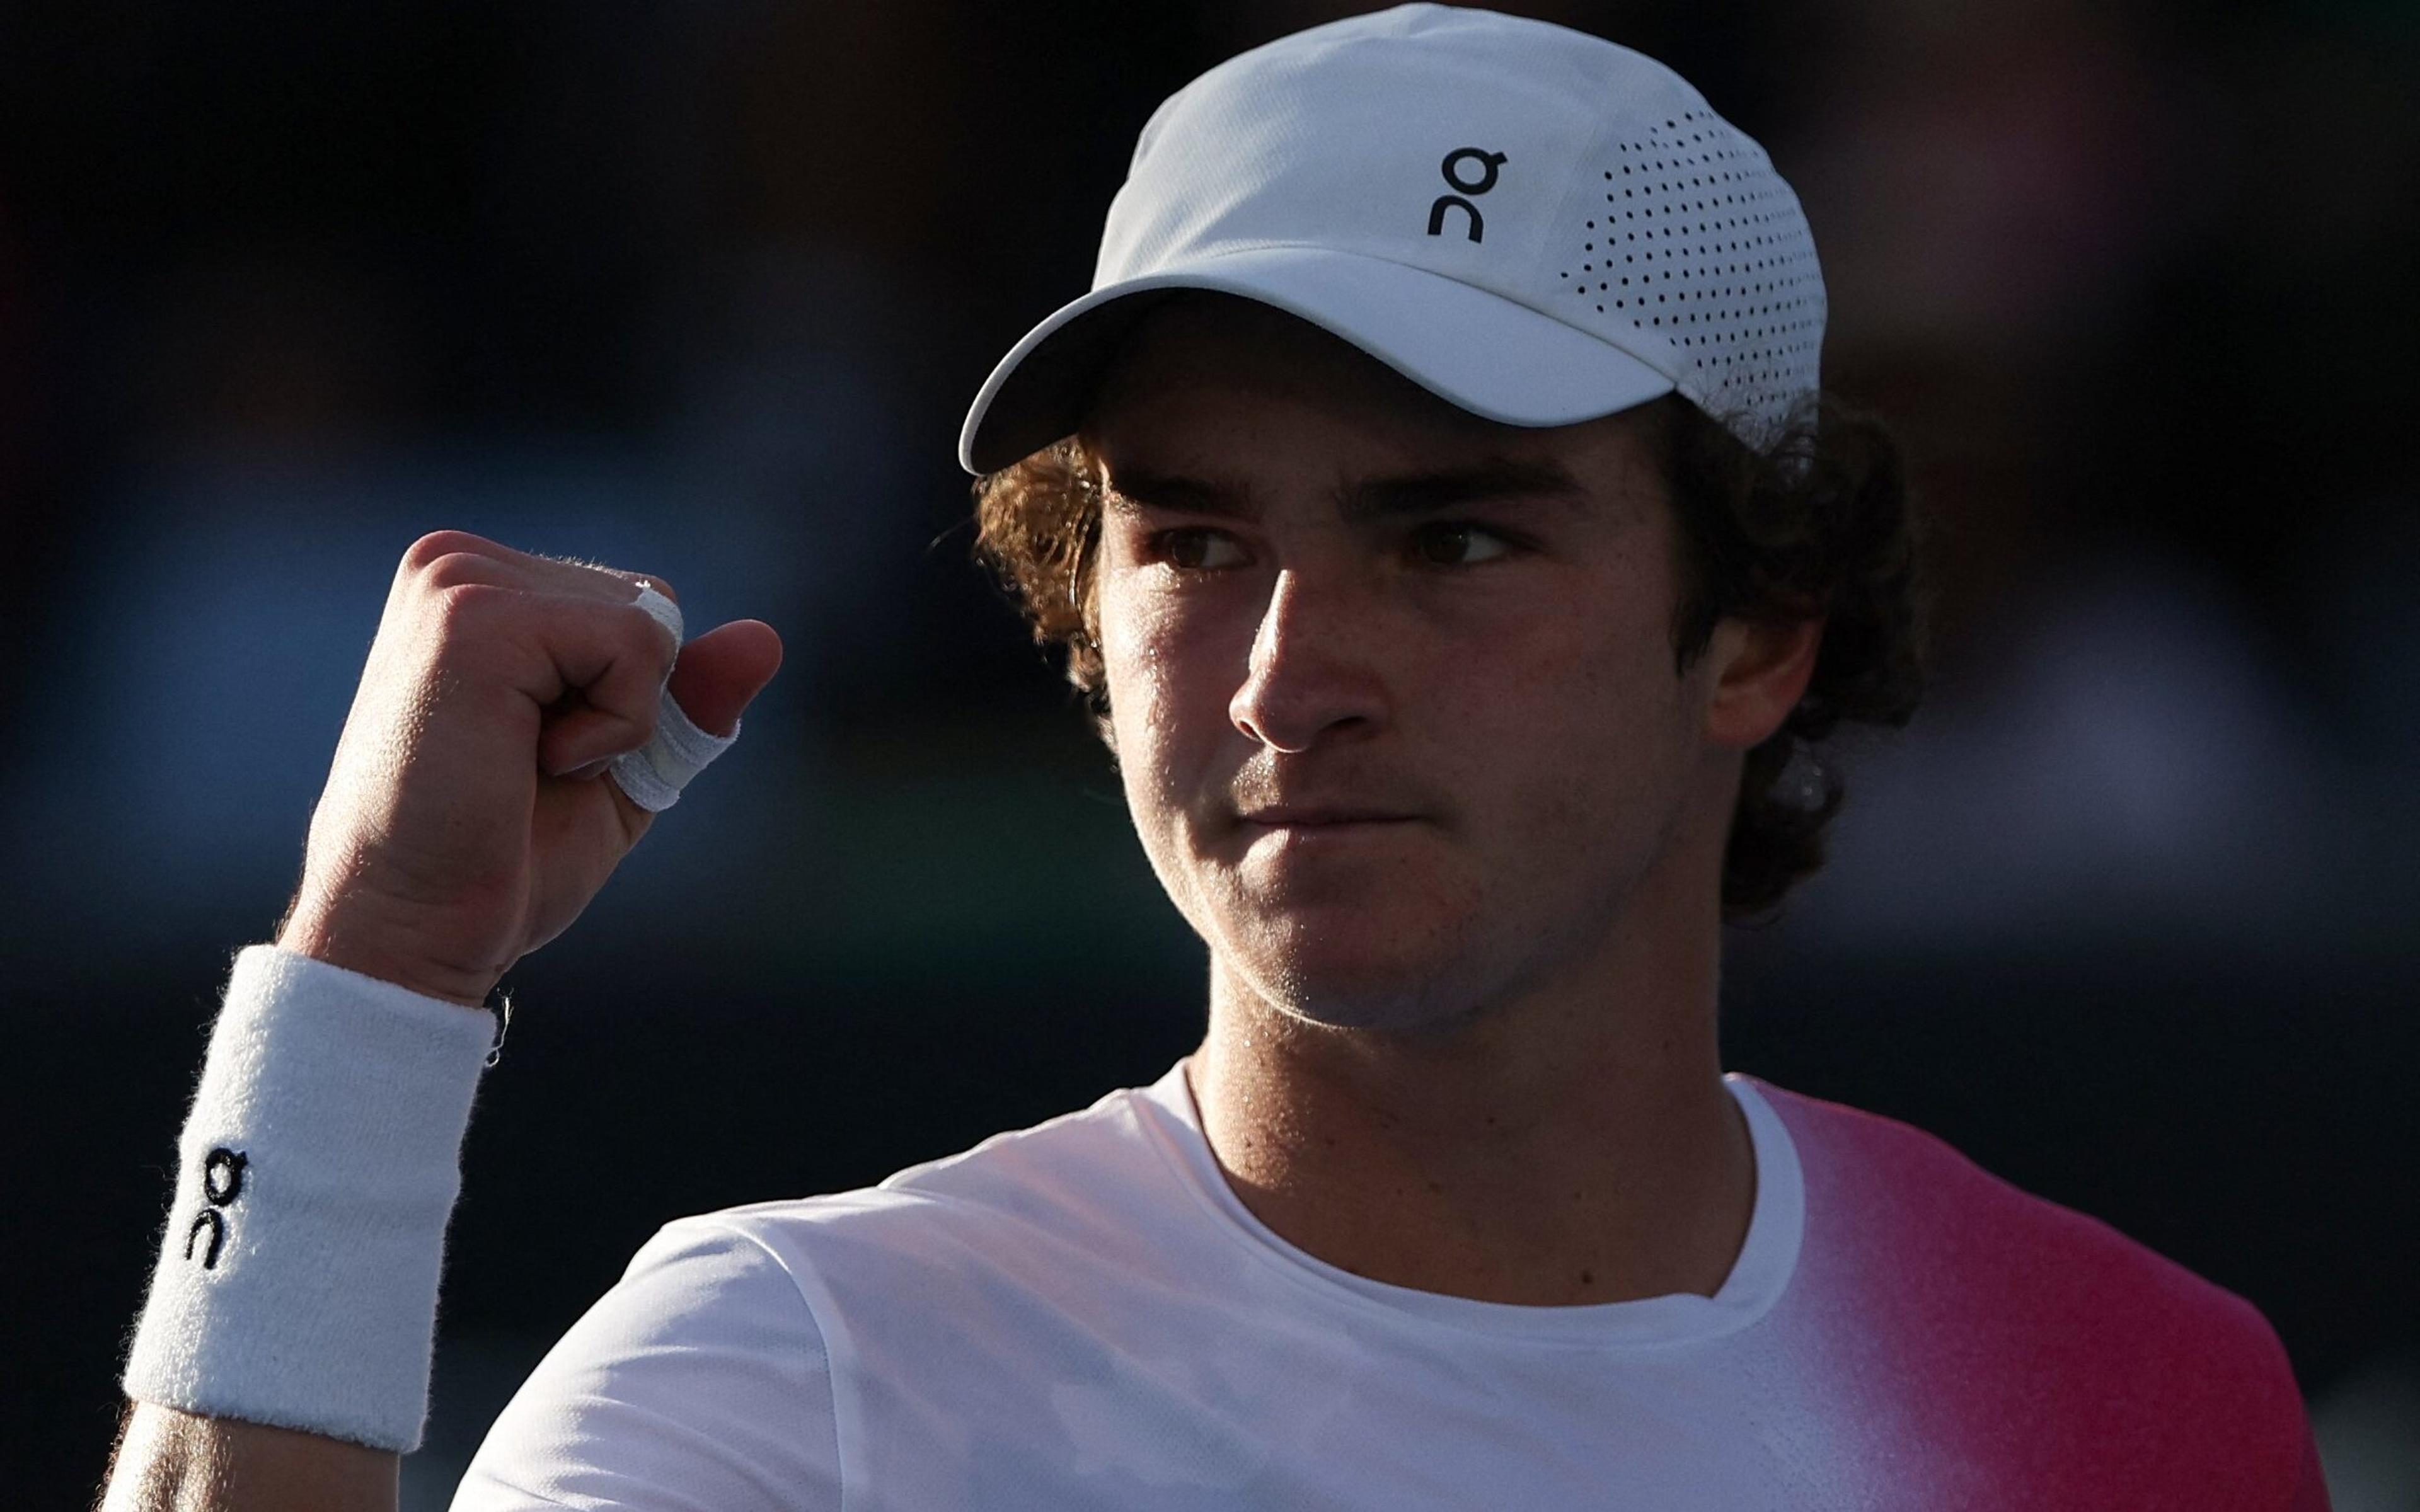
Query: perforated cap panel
(1701, 243)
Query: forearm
(173, 1461)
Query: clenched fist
(467, 821)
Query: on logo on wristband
(222, 1183)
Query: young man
(1432, 496)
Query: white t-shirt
(1082, 1314)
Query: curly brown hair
(1817, 524)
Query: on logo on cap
(1455, 165)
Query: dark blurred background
(702, 289)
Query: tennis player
(1437, 498)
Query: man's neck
(1576, 1145)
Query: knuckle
(438, 544)
(654, 645)
(456, 569)
(462, 606)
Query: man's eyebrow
(1493, 480)
(1490, 480)
(1132, 489)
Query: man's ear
(1759, 672)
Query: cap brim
(1478, 350)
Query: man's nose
(1308, 673)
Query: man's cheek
(1180, 683)
(1160, 752)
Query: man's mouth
(1320, 817)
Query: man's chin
(1377, 987)
(1355, 946)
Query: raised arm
(512, 710)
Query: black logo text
(1461, 174)
(222, 1183)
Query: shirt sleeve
(698, 1383)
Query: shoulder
(1088, 1193)
(2052, 1318)
(1077, 1172)
(1894, 1180)
(702, 1369)
(728, 1355)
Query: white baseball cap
(1533, 224)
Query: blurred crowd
(702, 289)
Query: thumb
(720, 671)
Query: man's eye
(1451, 543)
(1196, 548)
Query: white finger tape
(662, 609)
(654, 774)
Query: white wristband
(296, 1283)
(654, 774)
